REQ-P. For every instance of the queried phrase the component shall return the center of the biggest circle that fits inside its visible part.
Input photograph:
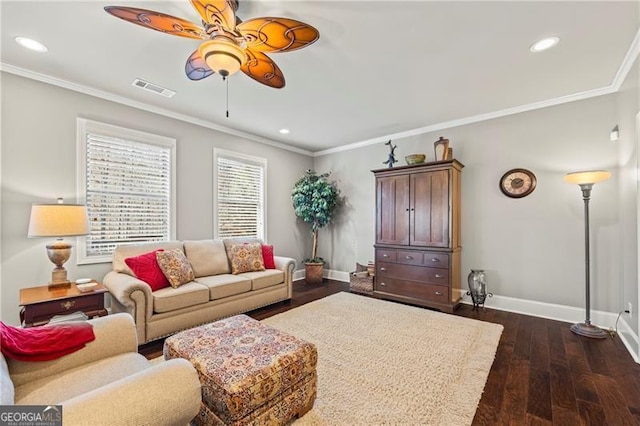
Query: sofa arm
(131, 295)
(286, 265)
(165, 394)
(114, 334)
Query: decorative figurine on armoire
(392, 155)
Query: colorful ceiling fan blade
(221, 12)
(277, 34)
(157, 21)
(262, 69)
(196, 68)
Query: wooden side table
(40, 304)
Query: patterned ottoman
(251, 374)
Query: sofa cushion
(52, 390)
(146, 268)
(175, 266)
(207, 257)
(225, 285)
(123, 251)
(189, 294)
(246, 258)
(264, 279)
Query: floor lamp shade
(586, 180)
(58, 220)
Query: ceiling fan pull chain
(227, 97)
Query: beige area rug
(386, 363)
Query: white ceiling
(380, 69)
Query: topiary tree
(315, 200)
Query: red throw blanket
(44, 343)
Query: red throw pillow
(146, 268)
(267, 257)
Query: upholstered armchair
(107, 382)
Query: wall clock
(518, 183)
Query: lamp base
(589, 330)
(59, 278)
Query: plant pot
(313, 273)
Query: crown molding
(87, 90)
(472, 119)
(618, 79)
(627, 62)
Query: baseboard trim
(630, 339)
(327, 273)
(553, 311)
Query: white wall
(531, 248)
(39, 165)
(628, 106)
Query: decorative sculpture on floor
(392, 155)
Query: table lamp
(586, 180)
(58, 220)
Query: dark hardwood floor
(543, 374)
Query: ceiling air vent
(158, 90)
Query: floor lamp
(586, 180)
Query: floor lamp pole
(586, 181)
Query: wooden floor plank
(539, 394)
(522, 346)
(564, 417)
(557, 353)
(516, 390)
(613, 402)
(591, 414)
(562, 393)
(595, 359)
(539, 358)
(581, 375)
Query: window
(239, 195)
(127, 180)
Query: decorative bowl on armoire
(415, 159)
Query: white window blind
(128, 190)
(239, 195)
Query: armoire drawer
(409, 257)
(383, 255)
(434, 293)
(437, 276)
(436, 260)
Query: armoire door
(392, 210)
(429, 209)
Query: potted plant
(315, 199)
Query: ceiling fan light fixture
(223, 55)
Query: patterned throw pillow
(175, 266)
(145, 267)
(246, 258)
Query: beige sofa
(107, 382)
(215, 293)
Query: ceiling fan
(229, 43)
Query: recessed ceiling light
(544, 44)
(284, 131)
(31, 44)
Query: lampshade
(223, 55)
(58, 220)
(592, 176)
